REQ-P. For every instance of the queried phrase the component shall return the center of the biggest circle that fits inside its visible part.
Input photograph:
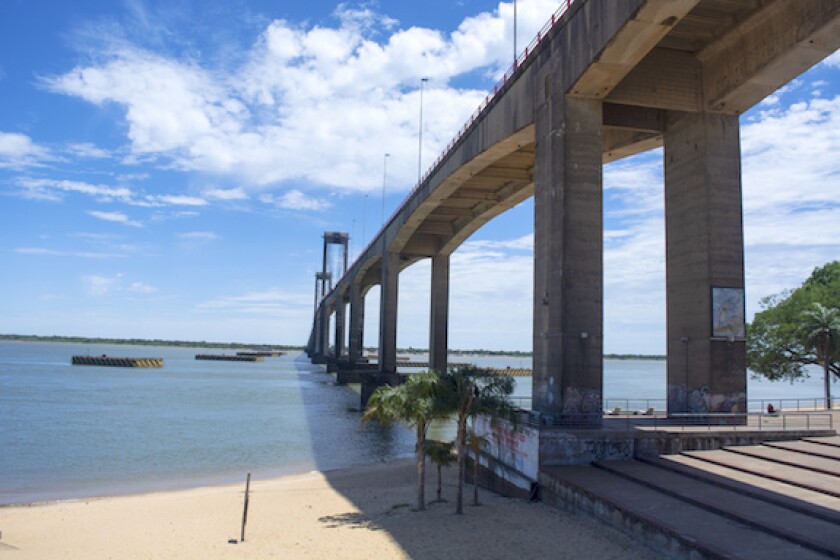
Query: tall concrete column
(568, 259)
(704, 264)
(439, 319)
(340, 309)
(388, 313)
(325, 331)
(357, 323)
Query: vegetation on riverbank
(144, 342)
(242, 345)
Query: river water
(76, 431)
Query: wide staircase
(775, 500)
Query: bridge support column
(439, 320)
(568, 262)
(340, 310)
(357, 323)
(388, 313)
(704, 264)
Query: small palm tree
(822, 326)
(465, 392)
(440, 452)
(413, 403)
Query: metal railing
(644, 405)
(684, 422)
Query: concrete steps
(795, 526)
(817, 504)
(789, 474)
(754, 502)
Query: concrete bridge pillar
(568, 259)
(357, 323)
(439, 320)
(704, 264)
(389, 285)
(340, 310)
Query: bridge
(602, 81)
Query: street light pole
(514, 33)
(420, 135)
(384, 181)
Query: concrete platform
(713, 504)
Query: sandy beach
(356, 513)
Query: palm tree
(413, 403)
(465, 392)
(440, 452)
(822, 326)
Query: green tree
(415, 404)
(440, 452)
(468, 391)
(822, 328)
(790, 333)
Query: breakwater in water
(112, 361)
(228, 358)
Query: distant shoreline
(241, 345)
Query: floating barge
(229, 358)
(112, 361)
(263, 353)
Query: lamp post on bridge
(420, 134)
(384, 181)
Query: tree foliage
(466, 392)
(414, 403)
(790, 333)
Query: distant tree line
(144, 342)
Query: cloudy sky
(167, 169)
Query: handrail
(520, 62)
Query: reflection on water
(70, 431)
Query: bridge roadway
(602, 81)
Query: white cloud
(88, 150)
(181, 200)
(296, 200)
(226, 194)
(50, 189)
(271, 301)
(141, 288)
(198, 236)
(117, 217)
(18, 151)
(352, 98)
(833, 60)
(43, 251)
(101, 285)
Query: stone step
(807, 447)
(793, 497)
(818, 482)
(790, 458)
(797, 527)
(665, 522)
(827, 440)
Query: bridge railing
(683, 422)
(521, 61)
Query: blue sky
(167, 170)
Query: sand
(355, 513)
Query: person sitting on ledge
(771, 409)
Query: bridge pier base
(370, 381)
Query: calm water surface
(75, 431)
